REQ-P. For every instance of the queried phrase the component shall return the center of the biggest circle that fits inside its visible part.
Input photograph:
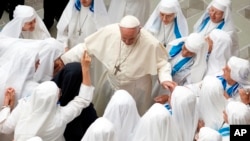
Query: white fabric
(185, 112)
(156, 124)
(4, 113)
(196, 44)
(129, 22)
(19, 68)
(134, 78)
(240, 70)
(221, 4)
(238, 113)
(49, 50)
(209, 134)
(72, 21)
(120, 8)
(228, 26)
(39, 115)
(122, 112)
(212, 102)
(221, 50)
(100, 130)
(23, 14)
(35, 139)
(156, 26)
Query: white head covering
(185, 112)
(100, 130)
(129, 21)
(122, 112)
(221, 50)
(19, 68)
(195, 43)
(39, 112)
(223, 5)
(23, 14)
(209, 134)
(238, 113)
(167, 6)
(35, 139)
(212, 102)
(156, 124)
(240, 70)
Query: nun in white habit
(167, 22)
(18, 71)
(185, 112)
(235, 75)
(156, 124)
(40, 115)
(212, 102)
(220, 48)
(236, 113)
(26, 24)
(209, 134)
(218, 15)
(122, 112)
(100, 130)
(79, 19)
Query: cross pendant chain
(117, 68)
(80, 32)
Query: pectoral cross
(80, 32)
(117, 68)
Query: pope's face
(129, 35)
(29, 26)
(215, 14)
(86, 3)
(167, 18)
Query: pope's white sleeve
(164, 67)
(74, 54)
(74, 107)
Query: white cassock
(74, 26)
(120, 8)
(137, 63)
(35, 116)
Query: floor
(192, 9)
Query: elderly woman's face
(186, 53)
(29, 26)
(215, 14)
(86, 3)
(167, 18)
(226, 73)
(245, 98)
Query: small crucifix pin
(117, 68)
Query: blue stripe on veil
(177, 48)
(179, 65)
(230, 91)
(204, 23)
